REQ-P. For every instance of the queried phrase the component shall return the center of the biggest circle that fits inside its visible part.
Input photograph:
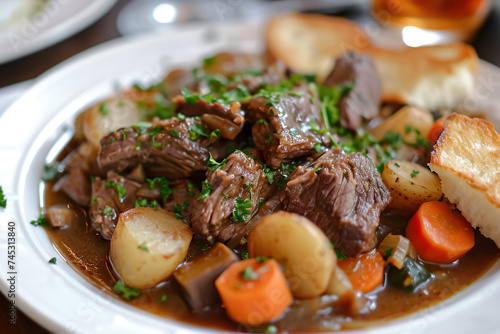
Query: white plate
(57, 20)
(58, 297)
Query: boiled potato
(147, 246)
(416, 118)
(300, 246)
(109, 116)
(410, 185)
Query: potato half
(300, 247)
(410, 185)
(108, 116)
(147, 246)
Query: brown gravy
(87, 252)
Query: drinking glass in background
(427, 22)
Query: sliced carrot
(439, 233)
(436, 130)
(254, 292)
(365, 272)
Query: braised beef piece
(75, 184)
(284, 130)
(109, 199)
(241, 179)
(272, 76)
(201, 107)
(170, 151)
(60, 216)
(362, 101)
(183, 200)
(343, 195)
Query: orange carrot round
(365, 272)
(436, 130)
(439, 233)
(254, 292)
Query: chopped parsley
(397, 164)
(294, 132)
(209, 61)
(163, 298)
(93, 201)
(317, 147)
(143, 247)
(181, 117)
(340, 255)
(244, 255)
(224, 195)
(144, 203)
(108, 211)
(414, 173)
(271, 329)
(53, 260)
(388, 252)
(212, 164)
(179, 207)
(41, 221)
(261, 258)
(120, 190)
(269, 174)
(189, 97)
(127, 293)
(3, 200)
(263, 121)
(248, 274)
(261, 203)
(315, 170)
(205, 190)
(111, 140)
(50, 171)
(190, 187)
(165, 190)
(174, 133)
(103, 109)
(241, 210)
(214, 134)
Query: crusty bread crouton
(431, 77)
(467, 160)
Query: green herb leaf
(174, 133)
(53, 260)
(189, 97)
(50, 171)
(269, 174)
(261, 258)
(224, 195)
(126, 292)
(41, 221)
(108, 211)
(163, 298)
(399, 277)
(263, 121)
(248, 274)
(103, 109)
(244, 255)
(93, 201)
(397, 164)
(294, 132)
(261, 203)
(212, 164)
(241, 212)
(199, 129)
(120, 190)
(209, 61)
(165, 190)
(271, 329)
(214, 134)
(388, 252)
(143, 247)
(340, 255)
(3, 200)
(205, 190)
(317, 147)
(414, 173)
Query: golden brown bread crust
(470, 149)
(432, 77)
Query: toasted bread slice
(310, 43)
(431, 77)
(467, 160)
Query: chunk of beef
(75, 184)
(170, 151)
(272, 76)
(241, 179)
(343, 197)
(362, 101)
(284, 131)
(60, 216)
(183, 200)
(109, 199)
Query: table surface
(105, 29)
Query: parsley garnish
(397, 164)
(3, 200)
(212, 164)
(263, 121)
(120, 190)
(261, 258)
(269, 173)
(103, 109)
(317, 169)
(414, 173)
(200, 130)
(340, 255)
(53, 260)
(244, 255)
(108, 211)
(190, 187)
(261, 203)
(294, 132)
(143, 247)
(127, 293)
(181, 117)
(224, 195)
(205, 190)
(50, 171)
(174, 133)
(388, 252)
(144, 203)
(165, 190)
(163, 298)
(271, 329)
(93, 201)
(178, 208)
(214, 134)
(111, 140)
(190, 99)
(317, 147)
(209, 61)
(241, 212)
(41, 221)
(248, 274)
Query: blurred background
(36, 35)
